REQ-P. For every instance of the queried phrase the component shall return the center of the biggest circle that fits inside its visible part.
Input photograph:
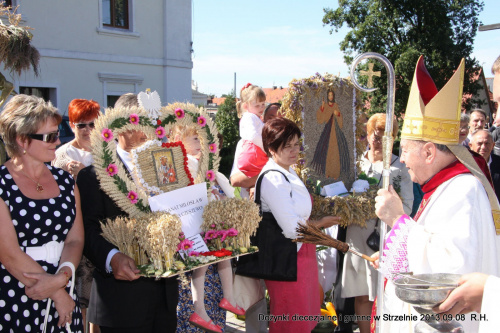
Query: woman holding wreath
(41, 230)
(284, 199)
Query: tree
(226, 121)
(402, 30)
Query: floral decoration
(132, 196)
(112, 169)
(212, 147)
(107, 135)
(115, 181)
(202, 121)
(210, 175)
(179, 113)
(134, 119)
(160, 132)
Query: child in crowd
(188, 135)
(250, 108)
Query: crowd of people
(59, 272)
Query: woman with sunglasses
(73, 157)
(76, 154)
(41, 228)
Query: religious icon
(331, 157)
(165, 167)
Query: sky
(270, 43)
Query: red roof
(275, 94)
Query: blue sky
(272, 42)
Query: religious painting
(326, 109)
(165, 168)
(161, 167)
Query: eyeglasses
(83, 125)
(49, 137)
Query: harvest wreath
(353, 209)
(110, 169)
(154, 239)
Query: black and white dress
(37, 222)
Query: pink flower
(134, 119)
(194, 254)
(160, 132)
(201, 121)
(232, 232)
(224, 234)
(107, 134)
(210, 234)
(210, 175)
(212, 147)
(132, 196)
(212, 226)
(185, 245)
(179, 113)
(112, 169)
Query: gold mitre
(431, 115)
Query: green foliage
(443, 31)
(227, 121)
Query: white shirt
(275, 198)
(490, 306)
(67, 153)
(251, 129)
(239, 147)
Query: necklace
(39, 187)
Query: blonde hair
(496, 66)
(24, 115)
(377, 122)
(181, 132)
(248, 94)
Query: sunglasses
(83, 125)
(49, 137)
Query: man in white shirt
(121, 301)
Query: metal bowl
(426, 295)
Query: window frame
(108, 30)
(113, 16)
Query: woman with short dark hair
(285, 199)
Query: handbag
(277, 256)
(373, 241)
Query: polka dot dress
(36, 222)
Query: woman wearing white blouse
(284, 195)
(72, 157)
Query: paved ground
(233, 324)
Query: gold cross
(370, 73)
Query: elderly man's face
(482, 143)
(131, 139)
(411, 156)
(477, 121)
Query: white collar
(126, 158)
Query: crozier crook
(387, 153)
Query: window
(115, 13)
(36, 91)
(48, 94)
(111, 100)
